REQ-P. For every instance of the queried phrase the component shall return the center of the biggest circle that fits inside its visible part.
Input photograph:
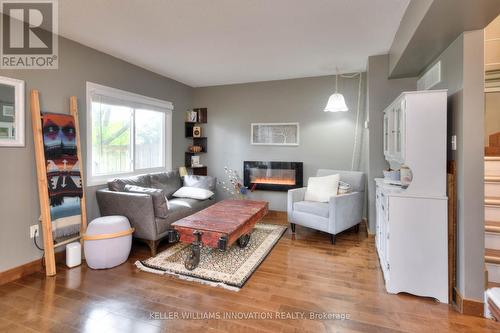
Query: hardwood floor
(304, 275)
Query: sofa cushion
(206, 182)
(312, 207)
(118, 184)
(169, 182)
(193, 193)
(178, 209)
(160, 204)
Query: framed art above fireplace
(275, 134)
(272, 176)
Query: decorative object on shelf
(391, 174)
(197, 132)
(275, 134)
(183, 171)
(11, 112)
(201, 115)
(406, 175)
(233, 184)
(191, 116)
(195, 149)
(195, 161)
(336, 102)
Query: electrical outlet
(33, 230)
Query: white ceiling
(213, 42)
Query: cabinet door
(388, 134)
(398, 131)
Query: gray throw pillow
(160, 204)
(169, 182)
(118, 184)
(206, 182)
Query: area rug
(228, 269)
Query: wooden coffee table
(219, 226)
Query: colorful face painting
(63, 171)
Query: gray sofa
(139, 198)
(340, 213)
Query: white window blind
(127, 134)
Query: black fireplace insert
(272, 176)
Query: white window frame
(94, 88)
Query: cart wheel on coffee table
(193, 258)
(243, 241)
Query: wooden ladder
(41, 170)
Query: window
(127, 134)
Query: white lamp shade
(336, 103)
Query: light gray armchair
(340, 213)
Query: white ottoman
(107, 242)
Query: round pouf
(107, 242)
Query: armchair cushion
(160, 204)
(320, 189)
(312, 207)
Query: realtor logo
(29, 34)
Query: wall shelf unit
(202, 141)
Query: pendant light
(336, 102)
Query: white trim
(128, 96)
(491, 89)
(274, 144)
(94, 88)
(19, 112)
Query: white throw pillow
(322, 188)
(193, 193)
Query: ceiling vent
(431, 78)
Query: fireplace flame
(273, 180)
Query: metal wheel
(193, 258)
(243, 241)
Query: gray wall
(326, 139)
(19, 205)
(462, 66)
(381, 92)
(414, 14)
(429, 26)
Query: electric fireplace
(272, 176)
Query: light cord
(356, 127)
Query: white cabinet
(411, 226)
(411, 242)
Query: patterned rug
(228, 269)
